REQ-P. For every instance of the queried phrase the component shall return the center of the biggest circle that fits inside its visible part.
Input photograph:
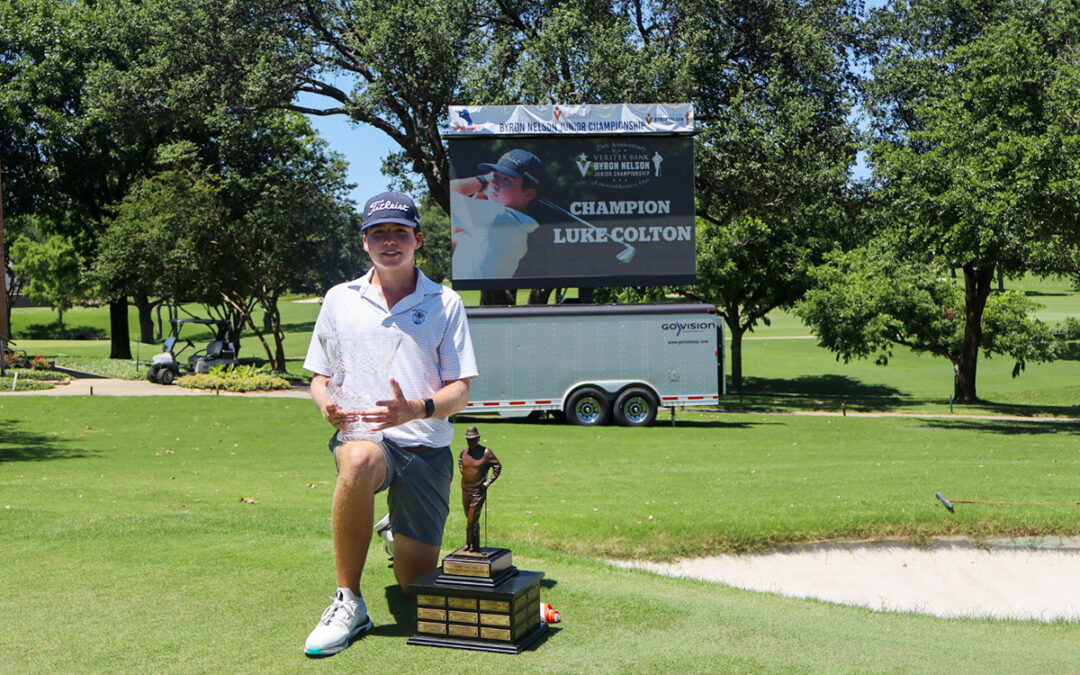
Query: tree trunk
(731, 318)
(118, 330)
(736, 358)
(279, 338)
(498, 297)
(978, 281)
(262, 339)
(60, 320)
(146, 318)
(540, 296)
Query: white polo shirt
(435, 344)
(491, 239)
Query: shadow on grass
(549, 633)
(820, 392)
(79, 374)
(1010, 428)
(556, 420)
(1069, 351)
(301, 327)
(1045, 294)
(818, 385)
(713, 424)
(51, 331)
(27, 446)
(403, 609)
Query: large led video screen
(559, 211)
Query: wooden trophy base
(504, 618)
(486, 568)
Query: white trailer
(596, 362)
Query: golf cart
(165, 367)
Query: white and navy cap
(519, 164)
(390, 207)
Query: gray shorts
(419, 484)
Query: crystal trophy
(359, 374)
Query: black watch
(429, 407)
(483, 183)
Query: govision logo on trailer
(679, 327)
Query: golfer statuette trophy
(477, 599)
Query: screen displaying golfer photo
(542, 212)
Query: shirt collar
(424, 287)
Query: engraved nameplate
(494, 633)
(494, 606)
(463, 631)
(431, 614)
(431, 600)
(463, 603)
(425, 627)
(495, 619)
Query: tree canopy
(866, 301)
(977, 145)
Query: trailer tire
(588, 407)
(166, 375)
(635, 407)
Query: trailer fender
(610, 387)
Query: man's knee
(361, 462)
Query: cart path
(92, 385)
(104, 386)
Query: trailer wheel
(588, 407)
(166, 375)
(635, 407)
(151, 373)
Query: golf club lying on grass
(625, 255)
(949, 502)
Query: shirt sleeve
(456, 358)
(316, 361)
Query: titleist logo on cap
(387, 204)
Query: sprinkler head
(946, 502)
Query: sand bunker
(1004, 579)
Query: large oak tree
(977, 152)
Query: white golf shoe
(382, 528)
(343, 621)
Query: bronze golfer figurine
(473, 463)
(477, 599)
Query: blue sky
(363, 146)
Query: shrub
(100, 365)
(40, 363)
(38, 375)
(244, 378)
(23, 384)
(1070, 328)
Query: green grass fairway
(778, 368)
(774, 365)
(125, 545)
